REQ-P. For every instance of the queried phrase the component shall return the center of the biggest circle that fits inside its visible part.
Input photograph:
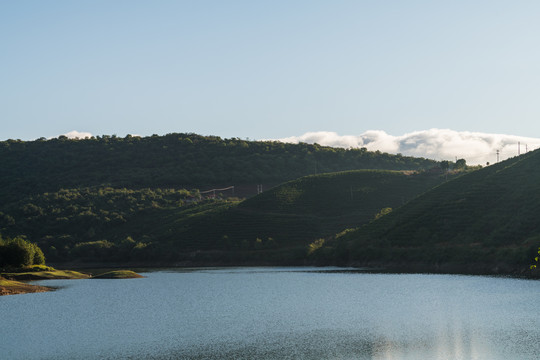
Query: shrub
(37, 268)
(384, 211)
(39, 257)
(94, 250)
(19, 252)
(314, 246)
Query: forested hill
(489, 216)
(166, 226)
(174, 160)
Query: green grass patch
(11, 287)
(45, 275)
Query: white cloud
(77, 135)
(438, 144)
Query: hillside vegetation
(176, 226)
(100, 223)
(173, 161)
(126, 200)
(487, 217)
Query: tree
(445, 165)
(39, 257)
(384, 211)
(460, 164)
(19, 252)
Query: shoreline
(11, 287)
(16, 283)
(477, 269)
(14, 287)
(486, 269)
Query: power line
(213, 191)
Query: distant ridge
(173, 161)
(486, 220)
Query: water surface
(275, 313)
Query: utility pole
(497, 155)
(519, 148)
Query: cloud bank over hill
(438, 144)
(77, 135)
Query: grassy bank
(10, 284)
(43, 273)
(11, 287)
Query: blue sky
(268, 69)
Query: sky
(277, 70)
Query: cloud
(438, 144)
(77, 135)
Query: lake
(275, 313)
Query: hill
(173, 161)
(484, 221)
(177, 226)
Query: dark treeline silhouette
(175, 161)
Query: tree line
(177, 160)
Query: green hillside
(488, 218)
(173, 161)
(277, 225)
(175, 226)
(336, 200)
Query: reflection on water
(452, 343)
(275, 313)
